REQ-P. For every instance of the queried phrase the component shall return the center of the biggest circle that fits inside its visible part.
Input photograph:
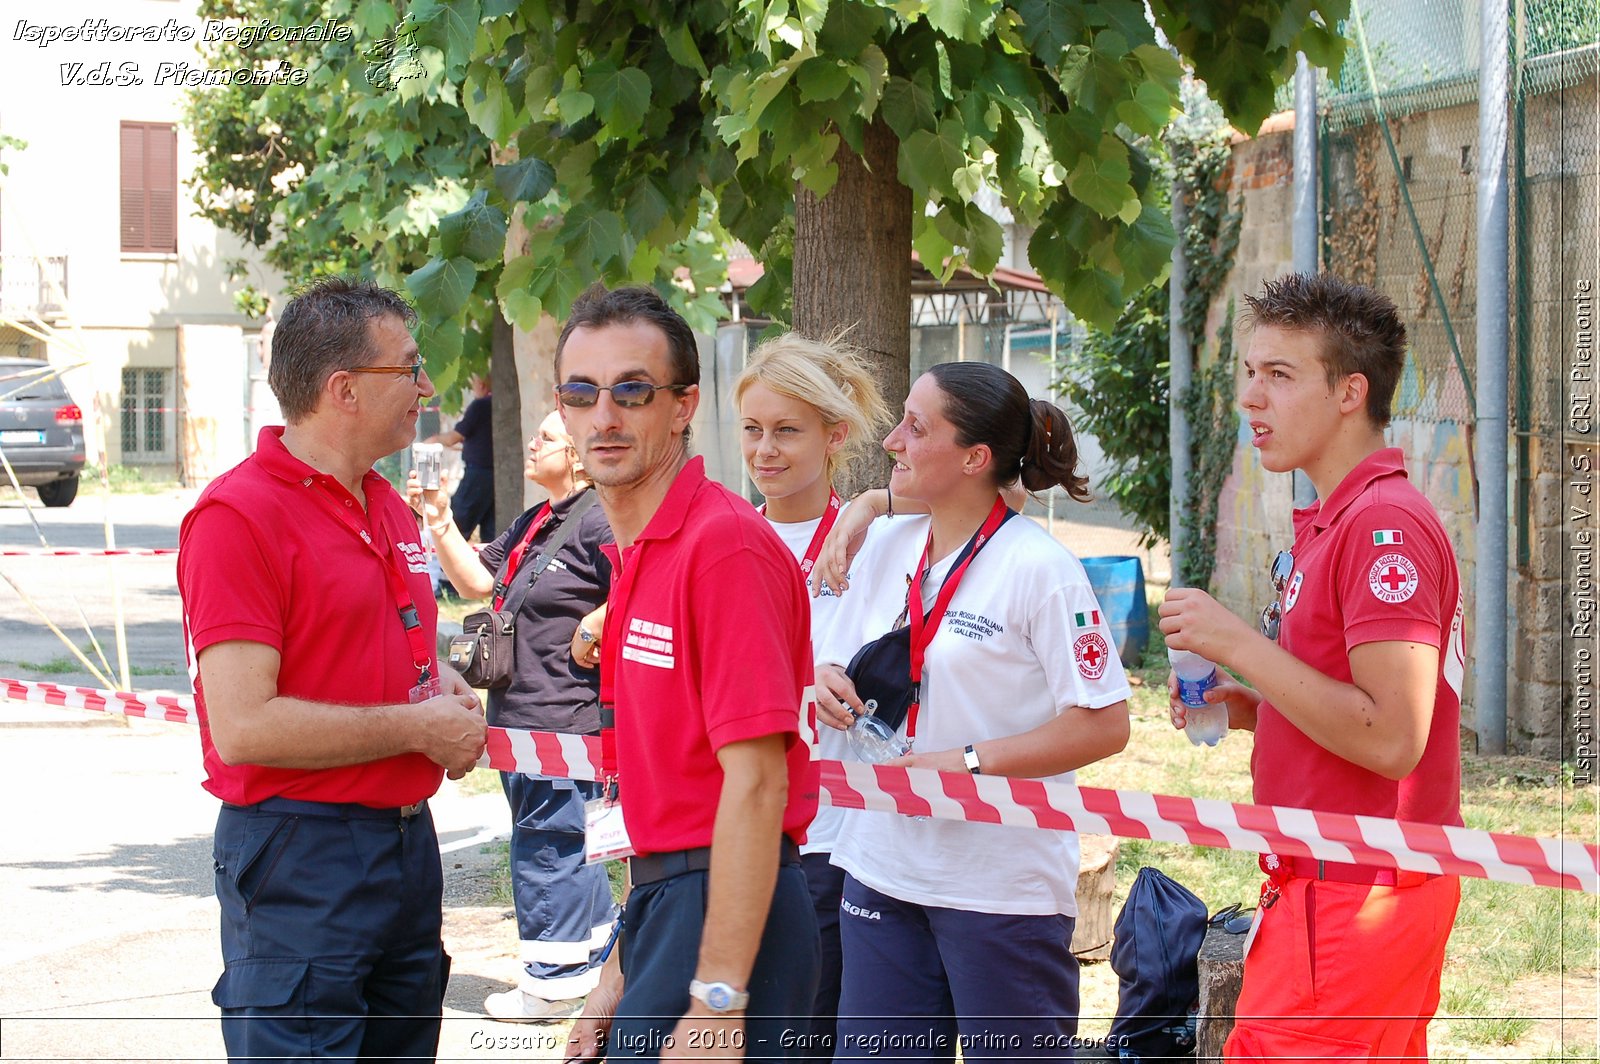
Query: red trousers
(1342, 971)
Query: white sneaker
(515, 1006)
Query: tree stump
(1097, 879)
(1221, 962)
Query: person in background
(805, 408)
(472, 505)
(326, 721)
(955, 931)
(564, 906)
(1355, 684)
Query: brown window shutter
(161, 184)
(135, 213)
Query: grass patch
(61, 666)
(154, 670)
(127, 480)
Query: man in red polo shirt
(1356, 677)
(706, 657)
(325, 720)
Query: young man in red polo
(706, 656)
(1355, 684)
(326, 720)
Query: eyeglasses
(1272, 616)
(623, 393)
(414, 370)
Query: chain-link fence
(1400, 156)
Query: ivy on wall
(1213, 433)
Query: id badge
(605, 836)
(425, 690)
(1255, 925)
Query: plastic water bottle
(1207, 723)
(873, 741)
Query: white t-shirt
(1022, 640)
(831, 743)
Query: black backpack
(1157, 938)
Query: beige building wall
(62, 198)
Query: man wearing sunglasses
(326, 719)
(1355, 675)
(706, 655)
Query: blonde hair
(832, 376)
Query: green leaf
(375, 18)
(870, 70)
(477, 231)
(1145, 247)
(489, 106)
(573, 106)
(449, 25)
(928, 161)
(907, 107)
(645, 208)
(683, 50)
(1159, 63)
(1101, 180)
(440, 342)
(949, 17)
(442, 286)
(1048, 26)
(1149, 110)
(821, 79)
(621, 96)
(592, 236)
(524, 181)
(985, 241)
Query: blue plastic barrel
(1118, 582)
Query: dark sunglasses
(1272, 616)
(415, 370)
(623, 393)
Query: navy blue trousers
(825, 880)
(564, 906)
(661, 947)
(330, 933)
(473, 503)
(918, 979)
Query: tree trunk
(1221, 964)
(852, 269)
(506, 421)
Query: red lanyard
(924, 629)
(824, 526)
(622, 577)
(514, 559)
(421, 652)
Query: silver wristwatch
(969, 757)
(718, 997)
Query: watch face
(718, 997)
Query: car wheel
(60, 492)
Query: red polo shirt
(1372, 563)
(712, 630)
(266, 557)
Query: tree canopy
(626, 140)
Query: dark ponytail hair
(1027, 437)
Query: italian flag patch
(1386, 536)
(1086, 619)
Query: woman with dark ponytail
(954, 928)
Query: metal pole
(1305, 204)
(1489, 645)
(1181, 366)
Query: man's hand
(938, 760)
(452, 731)
(835, 697)
(1241, 702)
(1193, 620)
(706, 1035)
(586, 652)
(590, 1033)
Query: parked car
(41, 430)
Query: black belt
(654, 867)
(332, 810)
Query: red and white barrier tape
(84, 552)
(179, 709)
(1338, 837)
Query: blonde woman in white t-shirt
(952, 931)
(806, 408)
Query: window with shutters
(146, 428)
(150, 187)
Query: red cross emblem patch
(1393, 578)
(1091, 652)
